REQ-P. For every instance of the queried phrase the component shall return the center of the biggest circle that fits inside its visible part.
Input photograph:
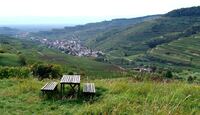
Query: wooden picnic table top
(70, 79)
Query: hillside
(136, 45)
(8, 59)
(133, 43)
(34, 52)
(183, 52)
(8, 31)
(127, 42)
(193, 11)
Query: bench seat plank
(49, 86)
(89, 88)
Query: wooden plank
(49, 86)
(70, 79)
(89, 88)
(44, 86)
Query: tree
(168, 74)
(22, 60)
(46, 70)
(2, 51)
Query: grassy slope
(124, 96)
(7, 59)
(34, 52)
(130, 44)
(143, 32)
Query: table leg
(79, 89)
(61, 89)
(73, 87)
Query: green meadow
(8, 59)
(113, 96)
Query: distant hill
(193, 11)
(92, 30)
(8, 31)
(113, 23)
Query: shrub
(22, 60)
(7, 72)
(168, 74)
(46, 70)
(2, 51)
(56, 71)
(71, 73)
(190, 79)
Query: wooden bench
(49, 87)
(89, 88)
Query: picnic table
(72, 80)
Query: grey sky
(82, 11)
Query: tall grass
(113, 96)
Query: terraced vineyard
(185, 52)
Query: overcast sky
(82, 11)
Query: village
(71, 47)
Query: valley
(34, 52)
(128, 43)
(143, 65)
